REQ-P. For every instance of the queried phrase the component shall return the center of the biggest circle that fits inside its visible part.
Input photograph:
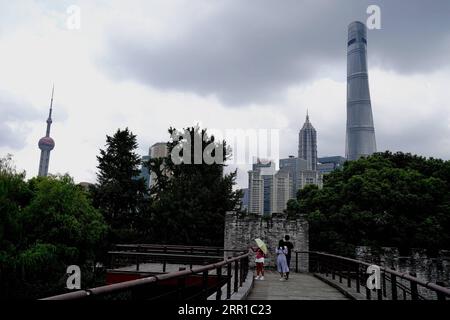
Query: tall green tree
(119, 194)
(386, 199)
(192, 197)
(46, 224)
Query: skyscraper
(360, 135)
(307, 144)
(268, 189)
(329, 164)
(46, 144)
(260, 182)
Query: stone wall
(241, 232)
(431, 269)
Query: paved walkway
(300, 286)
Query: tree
(46, 224)
(190, 200)
(386, 199)
(292, 208)
(119, 194)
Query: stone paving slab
(300, 286)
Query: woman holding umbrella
(261, 252)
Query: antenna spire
(49, 120)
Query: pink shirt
(259, 253)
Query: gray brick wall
(240, 233)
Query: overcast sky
(253, 64)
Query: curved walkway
(300, 286)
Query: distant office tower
(260, 181)
(329, 164)
(263, 163)
(299, 175)
(293, 165)
(360, 135)
(158, 150)
(46, 144)
(307, 144)
(256, 192)
(309, 177)
(281, 191)
(270, 190)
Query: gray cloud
(250, 51)
(14, 112)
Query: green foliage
(119, 195)
(292, 208)
(387, 199)
(190, 200)
(46, 224)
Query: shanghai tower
(46, 144)
(360, 135)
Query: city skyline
(100, 89)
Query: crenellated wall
(240, 232)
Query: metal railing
(150, 288)
(159, 248)
(394, 285)
(127, 255)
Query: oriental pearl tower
(46, 144)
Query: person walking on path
(259, 261)
(290, 247)
(282, 266)
(259, 258)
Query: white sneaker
(282, 279)
(257, 278)
(261, 278)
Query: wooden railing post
(333, 270)
(358, 274)
(181, 285)
(394, 286)
(241, 273)
(236, 275)
(246, 267)
(440, 295)
(205, 284)
(219, 283)
(164, 259)
(349, 279)
(413, 287)
(228, 280)
(296, 262)
(137, 262)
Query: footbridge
(195, 273)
